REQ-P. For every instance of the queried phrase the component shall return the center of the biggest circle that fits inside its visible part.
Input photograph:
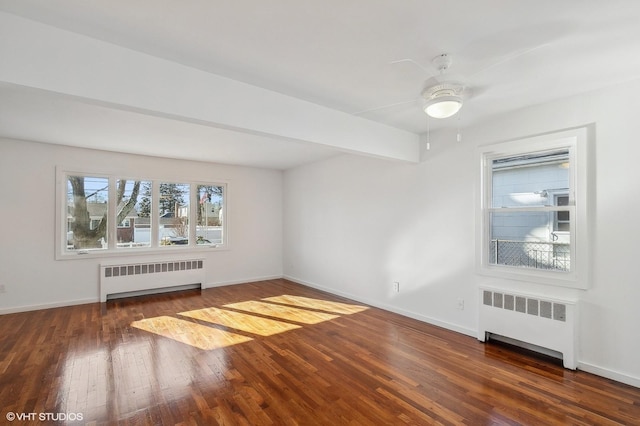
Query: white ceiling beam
(44, 57)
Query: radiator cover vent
(150, 268)
(529, 305)
(537, 320)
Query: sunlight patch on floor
(283, 312)
(190, 333)
(254, 317)
(319, 304)
(240, 321)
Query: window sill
(551, 278)
(126, 252)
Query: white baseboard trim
(244, 281)
(390, 308)
(609, 374)
(27, 308)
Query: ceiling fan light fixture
(443, 100)
(443, 107)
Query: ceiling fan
(442, 97)
(444, 94)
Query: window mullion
(193, 206)
(112, 213)
(154, 218)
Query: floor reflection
(85, 383)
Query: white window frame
(62, 253)
(575, 140)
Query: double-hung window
(533, 209)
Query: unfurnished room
(363, 212)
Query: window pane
(562, 217)
(529, 180)
(210, 217)
(527, 240)
(173, 214)
(87, 212)
(132, 213)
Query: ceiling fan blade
(411, 61)
(500, 47)
(388, 106)
(507, 58)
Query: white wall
(33, 278)
(354, 225)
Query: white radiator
(136, 277)
(545, 322)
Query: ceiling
(365, 58)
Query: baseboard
(27, 308)
(244, 281)
(390, 308)
(609, 374)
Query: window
(173, 214)
(522, 210)
(529, 205)
(210, 215)
(124, 224)
(87, 206)
(133, 198)
(108, 214)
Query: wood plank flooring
(277, 353)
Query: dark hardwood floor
(277, 353)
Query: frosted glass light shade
(443, 106)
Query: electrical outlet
(461, 304)
(2, 288)
(396, 286)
